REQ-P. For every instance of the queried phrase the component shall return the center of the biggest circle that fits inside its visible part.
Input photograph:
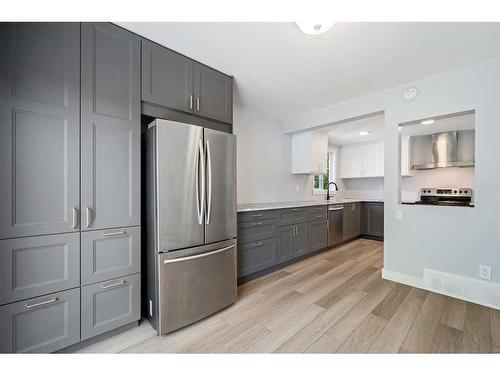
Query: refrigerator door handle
(200, 205)
(209, 183)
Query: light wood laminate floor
(334, 302)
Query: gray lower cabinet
(41, 325)
(256, 230)
(39, 128)
(373, 219)
(110, 126)
(213, 94)
(352, 220)
(108, 254)
(257, 256)
(167, 77)
(301, 239)
(110, 304)
(318, 235)
(34, 266)
(285, 243)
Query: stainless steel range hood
(445, 152)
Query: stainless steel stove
(453, 196)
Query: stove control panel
(446, 192)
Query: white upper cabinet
(351, 161)
(373, 159)
(405, 156)
(309, 153)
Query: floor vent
(477, 291)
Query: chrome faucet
(328, 190)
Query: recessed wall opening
(437, 161)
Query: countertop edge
(279, 206)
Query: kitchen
(169, 216)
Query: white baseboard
(464, 288)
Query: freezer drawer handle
(44, 303)
(167, 261)
(117, 233)
(113, 285)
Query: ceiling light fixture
(363, 133)
(315, 28)
(427, 122)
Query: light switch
(399, 215)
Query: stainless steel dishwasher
(336, 224)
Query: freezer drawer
(110, 305)
(107, 254)
(196, 286)
(41, 325)
(34, 266)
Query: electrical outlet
(399, 215)
(297, 188)
(484, 272)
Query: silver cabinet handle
(75, 218)
(209, 183)
(257, 215)
(190, 101)
(88, 213)
(319, 215)
(256, 244)
(256, 222)
(121, 282)
(28, 306)
(200, 164)
(117, 233)
(197, 104)
(295, 209)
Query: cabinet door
(111, 109)
(39, 128)
(285, 243)
(167, 77)
(318, 235)
(373, 219)
(405, 156)
(33, 266)
(41, 325)
(373, 159)
(301, 240)
(351, 161)
(110, 305)
(352, 220)
(213, 94)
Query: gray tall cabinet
(69, 182)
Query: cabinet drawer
(256, 256)
(256, 230)
(293, 215)
(257, 215)
(318, 213)
(107, 254)
(41, 325)
(34, 266)
(110, 304)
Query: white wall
(449, 239)
(264, 160)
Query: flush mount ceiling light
(363, 133)
(427, 122)
(314, 28)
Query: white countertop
(277, 205)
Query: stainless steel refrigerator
(191, 223)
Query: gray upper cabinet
(110, 127)
(167, 77)
(39, 128)
(213, 94)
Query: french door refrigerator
(191, 223)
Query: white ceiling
(280, 71)
(348, 132)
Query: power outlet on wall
(484, 272)
(297, 188)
